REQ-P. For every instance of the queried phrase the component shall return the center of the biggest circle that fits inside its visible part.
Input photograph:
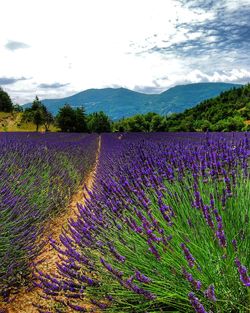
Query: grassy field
(12, 122)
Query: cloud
(10, 80)
(15, 45)
(164, 44)
(225, 27)
(228, 31)
(53, 85)
(236, 76)
(212, 46)
(225, 31)
(149, 89)
(214, 4)
(207, 5)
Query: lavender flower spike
(198, 307)
(209, 293)
(189, 277)
(188, 255)
(245, 279)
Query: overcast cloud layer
(57, 48)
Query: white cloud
(95, 43)
(234, 75)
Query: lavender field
(38, 174)
(165, 227)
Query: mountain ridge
(122, 102)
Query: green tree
(38, 114)
(119, 126)
(48, 119)
(72, 120)
(157, 124)
(17, 108)
(235, 123)
(80, 120)
(137, 123)
(66, 119)
(202, 125)
(6, 104)
(99, 122)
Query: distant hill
(121, 102)
(230, 111)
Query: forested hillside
(230, 111)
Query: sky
(56, 48)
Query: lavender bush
(38, 173)
(166, 229)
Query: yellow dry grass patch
(12, 122)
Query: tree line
(230, 111)
(68, 119)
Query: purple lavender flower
(220, 231)
(209, 293)
(228, 186)
(207, 215)
(77, 307)
(118, 256)
(190, 222)
(198, 307)
(235, 245)
(153, 249)
(109, 267)
(147, 294)
(197, 197)
(223, 199)
(142, 278)
(245, 279)
(221, 236)
(188, 255)
(212, 201)
(189, 277)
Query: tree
(80, 120)
(48, 119)
(72, 120)
(37, 119)
(235, 123)
(6, 104)
(17, 108)
(66, 118)
(38, 114)
(99, 122)
(150, 122)
(137, 123)
(202, 125)
(157, 123)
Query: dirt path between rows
(23, 302)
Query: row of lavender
(38, 174)
(166, 229)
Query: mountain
(121, 102)
(230, 111)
